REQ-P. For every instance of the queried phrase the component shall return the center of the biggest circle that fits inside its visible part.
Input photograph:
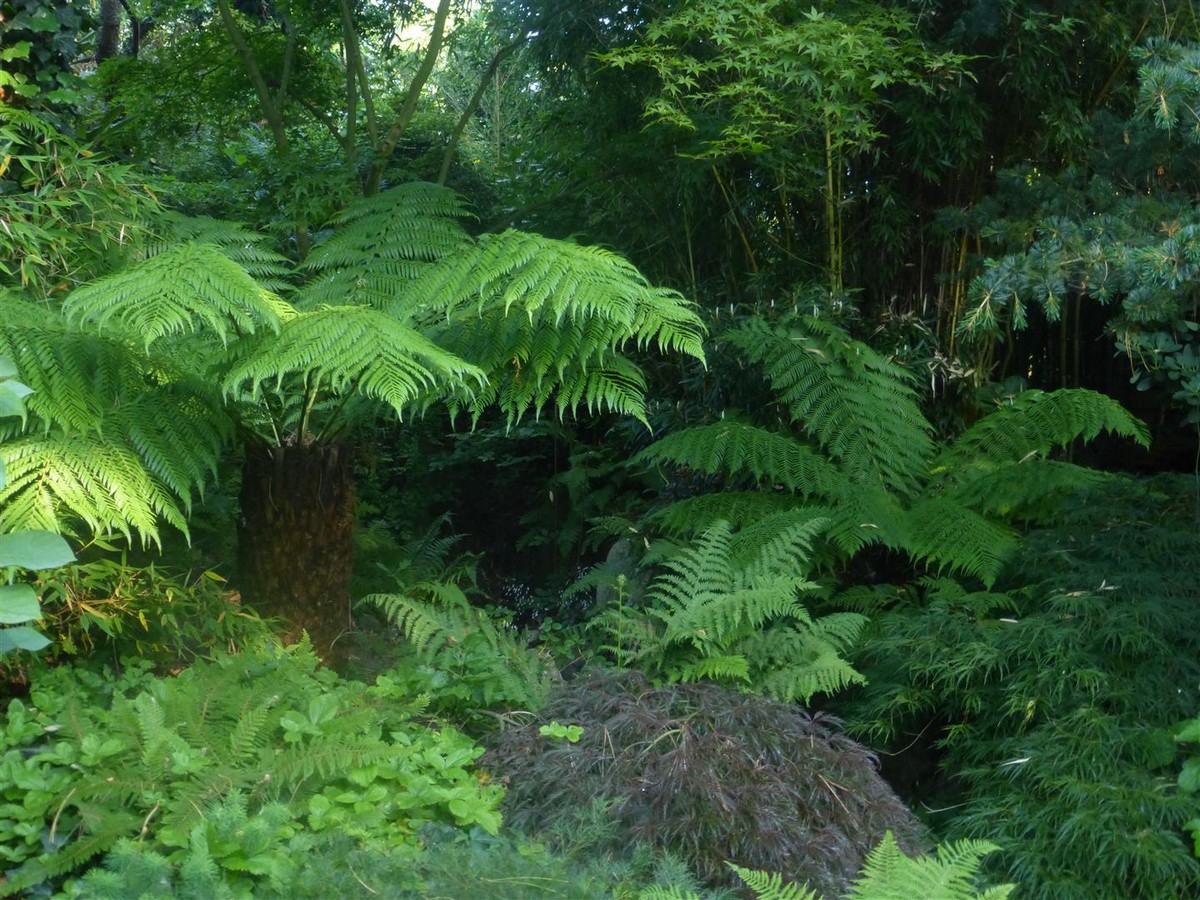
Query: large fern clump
(857, 450)
(1053, 698)
(728, 608)
(705, 773)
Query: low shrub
(704, 773)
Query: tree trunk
(108, 31)
(295, 554)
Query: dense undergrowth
(761, 590)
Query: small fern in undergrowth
(890, 874)
(727, 608)
(266, 736)
(469, 659)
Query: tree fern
(950, 536)
(695, 514)
(349, 349)
(380, 244)
(861, 408)
(247, 248)
(97, 444)
(735, 449)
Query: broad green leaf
(21, 638)
(1189, 775)
(19, 50)
(1189, 732)
(12, 394)
(34, 550)
(18, 603)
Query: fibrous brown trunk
(294, 541)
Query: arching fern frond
(350, 349)
(693, 515)
(1032, 490)
(1036, 422)
(734, 448)
(795, 663)
(100, 480)
(540, 316)
(99, 443)
(780, 545)
(772, 887)
(183, 290)
(727, 607)
(381, 243)
(249, 249)
(429, 627)
(950, 536)
(861, 408)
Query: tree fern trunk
(294, 542)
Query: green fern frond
(716, 667)
(248, 248)
(715, 619)
(726, 607)
(93, 424)
(861, 408)
(693, 515)
(1032, 490)
(1036, 422)
(772, 887)
(328, 757)
(955, 538)
(702, 568)
(350, 348)
(735, 449)
(103, 482)
(542, 317)
(670, 892)
(778, 545)
(888, 874)
(380, 244)
(428, 627)
(183, 290)
(416, 220)
(75, 854)
(794, 662)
